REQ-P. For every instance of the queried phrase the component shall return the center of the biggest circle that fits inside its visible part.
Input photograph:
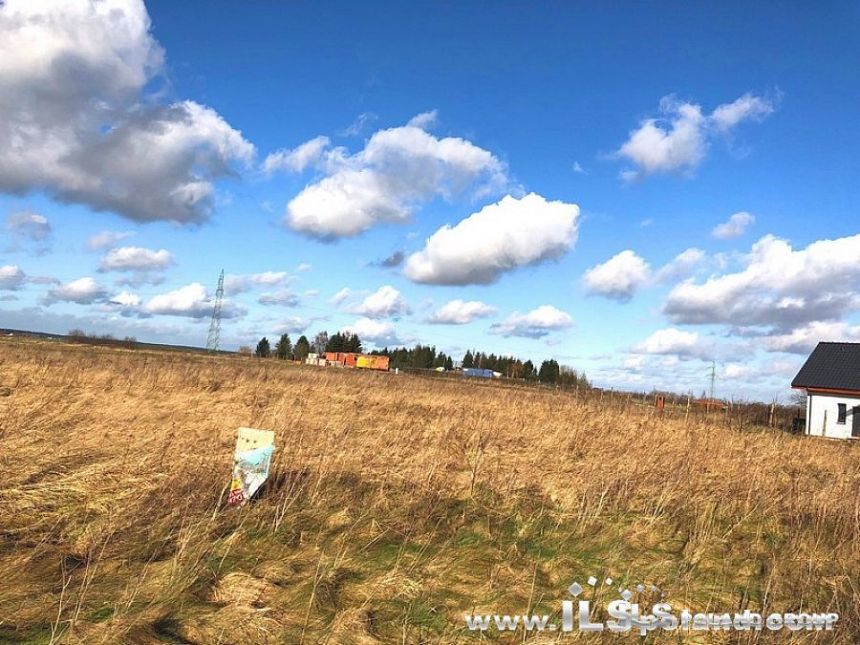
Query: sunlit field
(396, 504)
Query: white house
(831, 379)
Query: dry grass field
(396, 504)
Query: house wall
(817, 405)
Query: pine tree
(335, 343)
(548, 372)
(528, 370)
(264, 350)
(303, 348)
(468, 360)
(351, 343)
(284, 347)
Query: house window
(842, 414)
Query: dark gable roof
(833, 366)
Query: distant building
(831, 379)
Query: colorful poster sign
(251, 462)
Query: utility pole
(215, 325)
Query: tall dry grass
(395, 505)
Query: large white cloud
(83, 291)
(534, 324)
(126, 300)
(670, 341)
(619, 277)
(76, 124)
(385, 302)
(780, 287)
(500, 237)
(803, 340)
(378, 332)
(136, 258)
(191, 301)
(461, 312)
(398, 169)
(678, 141)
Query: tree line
(422, 357)
(284, 348)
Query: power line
(215, 325)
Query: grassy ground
(395, 505)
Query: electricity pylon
(215, 325)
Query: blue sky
(635, 190)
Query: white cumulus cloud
(77, 124)
(126, 299)
(678, 141)
(780, 287)
(802, 340)
(83, 291)
(12, 277)
(398, 169)
(385, 302)
(670, 341)
(340, 296)
(500, 237)
(191, 301)
(135, 258)
(461, 312)
(299, 158)
(380, 333)
(734, 227)
(619, 277)
(681, 266)
(534, 324)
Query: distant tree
(548, 372)
(320, 342)
(351, 342)
(264, 350)
(303, 348)
(449, 363)
(284, 347)
(528, 370)
(335, 343)
(798, 399)
(468, 360)
(245, 350)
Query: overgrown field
(396, 505)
